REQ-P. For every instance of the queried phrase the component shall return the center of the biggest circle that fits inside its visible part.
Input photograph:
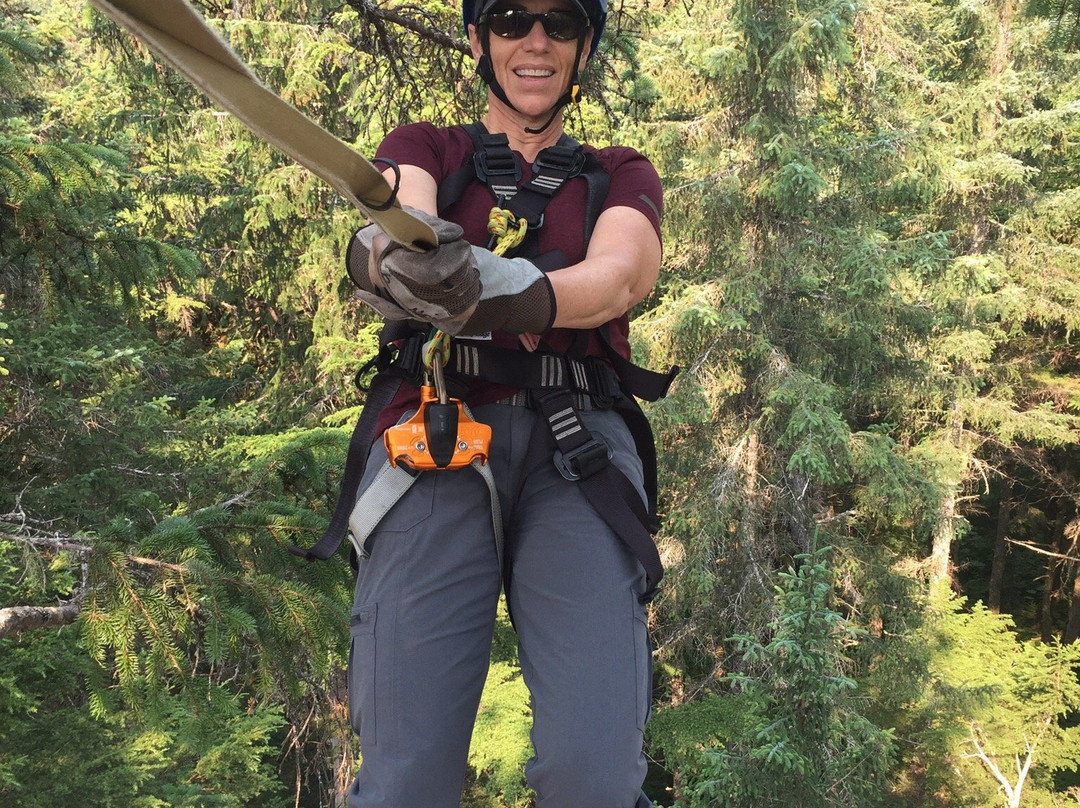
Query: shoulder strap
(494, 164)
(598, 181)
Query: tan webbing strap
(180, 35)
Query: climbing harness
(440, 435)
(557, 386)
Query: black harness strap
(582, 459)
(392, 366)
(495, 165)
(380, 394)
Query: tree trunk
(997, 568)
(944, 533)
(1051, 580)
(1072, 627)
(945, 529)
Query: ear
(474, 42)
(585, 51)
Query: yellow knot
(439, 343)
(508, 230)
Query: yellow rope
(439, 343)
(508, 230)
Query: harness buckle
(560, 158)
(603, 384)
(584, 461)
(496, 160)
(409, 362)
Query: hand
(440, 285)
(459, 289)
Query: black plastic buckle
(603, 383)
(409, 363)
(496, 160)
(584, 461)
(379, 363)
(560, 158)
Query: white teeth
(535, 73)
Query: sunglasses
(516, 23)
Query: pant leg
(584, 645)
(422, 625)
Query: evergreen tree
(804, 742)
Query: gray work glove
(356, 264)
(516, 296)
(459, 289)
(436, 285)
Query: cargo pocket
(642, 660)
(362, 674)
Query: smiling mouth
(534, 74)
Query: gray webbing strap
(390, 485)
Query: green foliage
(871, 241)
(997, 710)
(1064, 16)
(805, 741)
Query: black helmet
(595, 10)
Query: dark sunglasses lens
(564, 24)
(513, 24)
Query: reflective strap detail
(581, 377)
(466, 359)
(564, 423)
(551, 370)
(548, 183)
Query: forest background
(870, 462)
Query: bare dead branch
(378, 14)
(1027, 545)
(16, 620)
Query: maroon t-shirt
(440, 152)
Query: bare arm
(418, 188)
(618, 272)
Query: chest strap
(496, 165)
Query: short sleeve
(634, 183)
(416, 144)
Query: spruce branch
(378, 15)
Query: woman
(429, 581)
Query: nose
(537, 35)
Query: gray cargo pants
(423, 620)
